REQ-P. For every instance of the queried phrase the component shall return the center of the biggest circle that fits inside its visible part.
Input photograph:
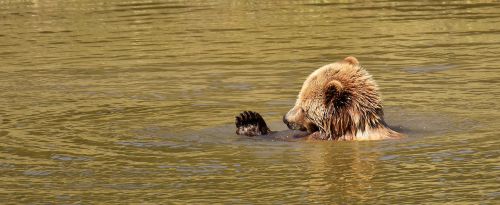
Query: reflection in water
(348, 176)
(134, 101)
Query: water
(134, 101)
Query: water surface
(134, 101)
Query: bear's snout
(293, 126)
(286, 122)
(292, 121)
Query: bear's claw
(251, 124)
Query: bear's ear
(335, 94)
(351, 60)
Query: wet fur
(340, 99)
(251, 124)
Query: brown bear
(338, 101)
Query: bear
(338, 101)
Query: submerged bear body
(339, 101)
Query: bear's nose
(287, 122)
(284, 120)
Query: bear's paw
(250, 123)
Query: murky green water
(134, 101)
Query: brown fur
(341, 101)
(251, 124)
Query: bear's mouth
(294, 126)
(312, 128)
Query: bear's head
(339, 99)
